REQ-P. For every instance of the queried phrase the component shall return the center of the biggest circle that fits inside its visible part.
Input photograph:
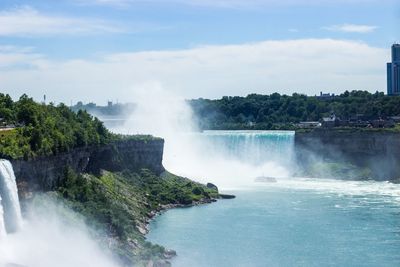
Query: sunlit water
(301, 222)
(294, 222)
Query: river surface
(294, 222)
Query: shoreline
(163, 208)
(170, 253)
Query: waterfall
(252, 147)
(2, 224)
(230, 158)
(10, 210)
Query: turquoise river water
(293, 222)
(290, 223)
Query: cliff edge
(117, 187)
(45, 173)
(377, 151)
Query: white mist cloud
(304, 66)
(191, 154)
(27, 21)
(52, 236)
(352, 28)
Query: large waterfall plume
(226, 158)
(231, 158)
(10, 210)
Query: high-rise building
(393, 72)
(396, 53)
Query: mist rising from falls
(51, 235)
(229, 159)
(233, 158)
(10, 210)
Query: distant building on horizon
(393, 72)
(325, 96)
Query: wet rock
(226, 196)
(152, 213)
(169, 253)
(212, 186)
(142, 229)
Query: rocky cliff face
(378, 151)
(45, 173)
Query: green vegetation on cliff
(277, 111)
(36, 129)
(117, 204)
(46, 129)
(121, 203)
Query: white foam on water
(368, 190)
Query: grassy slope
(119, 205)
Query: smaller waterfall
(10, 210)
(2, 224)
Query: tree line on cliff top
(49, 129)
(45, 129)
(281, 111)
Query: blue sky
(106, 49)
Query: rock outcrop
(45, 173)
(378, 151)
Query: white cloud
(27, 21)
(352, 28)
(15, 57)
(305, 66)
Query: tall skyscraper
(393, 72)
